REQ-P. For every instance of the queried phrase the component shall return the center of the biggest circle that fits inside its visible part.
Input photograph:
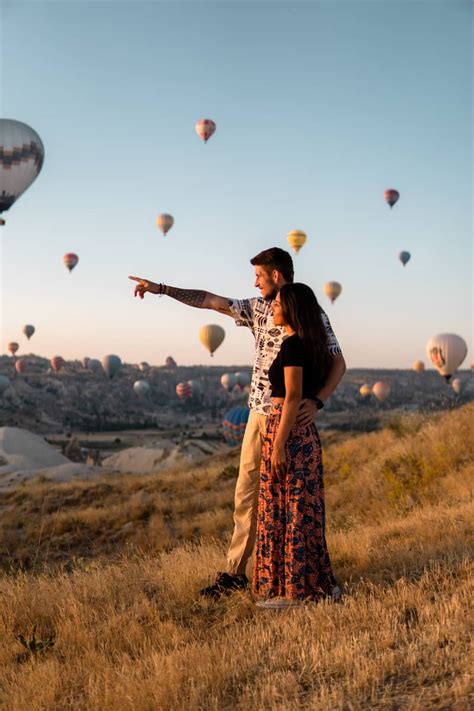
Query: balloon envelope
(170, 362)
(141, 387)
(228, 381)
(234, 424)
(381, 390)
(404, 257)
(243, 379)
(446, 351)
(57, 363)
(95, 365)
(13, 347)
(184, 391)
(144, 366)
(21, 160)
(365, 390)
(111, 365)
(211, 337)
(456, 385)
(164, 222)
(28, 330)
(21, 366)
(205, 128)
(391, 196)
(70, 260)
(296, 239)
(418, 366)
(332, 289)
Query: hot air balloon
(205, 128)
(111, 365)
(243, 379)
(28, 330)
(4, 383)
(228, 381)
(404, 257)
(144, 366)
(184, 391)
(21, 366)
(85, 362)
(21, 160)
(446, 351)
(418, 366)
(141, 387)
(332, 289)
(13, 347)
(196, 387)
(164, 222)
(211, 337)
(70, 260)
(381, 390)
(57, 363)
(296, 239)
(456, 385)
(95, 365)
(365, 390)
(170, 363)
(391, 196)
(234, 424)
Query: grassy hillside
(108, 573)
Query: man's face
(267, 282)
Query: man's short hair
(275, 258)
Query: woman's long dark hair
(301, 310)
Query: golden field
(100, 578)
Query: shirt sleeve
(333, 344)
(292, 352)
(243, 311)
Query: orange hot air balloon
(13, 347)
(332, 289)
(184, 391)
(296, 239)
(381, 390)
(391, 196)
(21, 366)
(70, 260)
(365, 390)
(418, 366)
(57, 363)
(205, 128)
(164, 222)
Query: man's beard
(273, 294)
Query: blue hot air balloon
(404, 257)
(234, 424)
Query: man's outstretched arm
(191, 297)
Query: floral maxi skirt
(291, 556)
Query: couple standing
(279, 496)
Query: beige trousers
(246, 495)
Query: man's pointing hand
(145, 285)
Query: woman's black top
(292, 352)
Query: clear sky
(319, 107)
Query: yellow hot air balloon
(446, 351)
(332, 289)
(211, 337)
(381, 390)
(296, 239)
(164, 222)
(365, 390)
(418, 366)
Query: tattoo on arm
(191, 297)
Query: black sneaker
(225, 584)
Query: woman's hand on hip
(307, 413)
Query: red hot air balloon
(57, 363)
(205, 128)
(70, 260)
(184, 391)
(391, 196)
(13, 347)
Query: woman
(292, 561)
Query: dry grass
(130, 631)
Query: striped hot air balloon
(21, 160)
(184, 391)
(296, 239)
(391, 196)
(57, 363)
(164, 222)
(13, 347)
(70, 260)
(234, 424)
(205, 128)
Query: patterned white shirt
(257, 315)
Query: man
(273, 269)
